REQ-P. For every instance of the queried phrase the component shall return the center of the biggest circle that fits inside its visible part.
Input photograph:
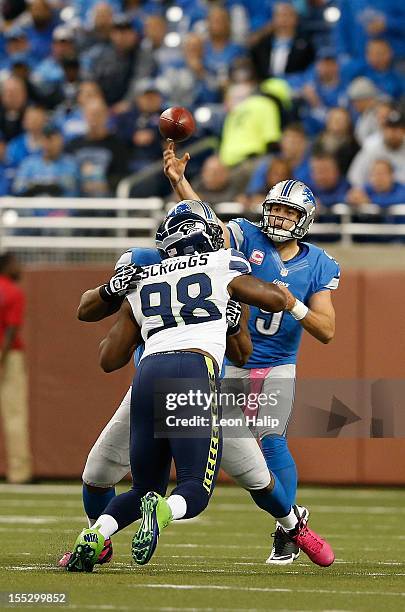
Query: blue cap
(326, 53)
(15, 32)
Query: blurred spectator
(50, 172)
(194, 86)
(378, 68)
(320, 88)
(4, 181)
(85, 8)
(155, 55)
(338, 138)
(324, 87)
(361, 20)
(326, 180)
(13, 375)
(99, 26)
(389, 145)
(12, 107)
(71, 120)
(112, 66)
(253, 125)
(294, 149)
(49, 75)
(364, 95)
(17, 49)
(30, 141)
(101, 156)
(219, 51)
(284, 51)
(382, 189)
(43, 20)
(139, 126)
(278, 169)
(218, 183)
(258, 13)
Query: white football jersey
(181, 303)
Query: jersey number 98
(190, 303)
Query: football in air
(176, 123)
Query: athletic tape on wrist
(299, 311)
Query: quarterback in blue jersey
(277, 254)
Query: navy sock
(281, 463)
(95, 503)
(274, 502)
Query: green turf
(214, 562)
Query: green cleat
(87, 549)
(156, 515)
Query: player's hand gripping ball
(176, 123)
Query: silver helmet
(296, 195)
(198, 207)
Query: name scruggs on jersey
(175, 264)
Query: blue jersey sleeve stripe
(236, 234)
(238, 265)
(236, 253)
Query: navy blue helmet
(184, 234)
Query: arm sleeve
(236, 234)
(327, 274)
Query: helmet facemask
(274, 226)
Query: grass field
(214, 562)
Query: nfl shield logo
(256, 257)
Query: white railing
(102, 226)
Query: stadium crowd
(309, 89)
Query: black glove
(124, 281)
(233, 315)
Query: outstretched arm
(93, 308)
(117, 348)
(98, 303)
(253, 291)
(174, 169)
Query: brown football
(176, 123)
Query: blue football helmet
(184, 234)
(294, 194)
(205, 211)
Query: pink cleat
(105, 555)
(317, 549)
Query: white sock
(90, 521)
(178, 506)
(290, 521)
(107, 525)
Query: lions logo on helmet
(294, 194)
(184, 234)
(205, 211)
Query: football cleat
(284, 550)
(87, 550)
(156, 515)
(317, 549)
(105, 555)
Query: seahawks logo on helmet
(294, 194)
(202, 209)
(184, 234)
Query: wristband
(106, 296)
(299, 311)
(232, 331)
